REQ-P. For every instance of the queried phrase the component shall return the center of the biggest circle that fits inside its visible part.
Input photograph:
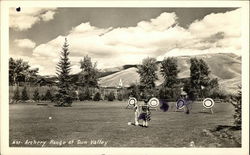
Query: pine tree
(63, 96)
(16, 96)
(36, 95)
(48, 96)
(24, 96)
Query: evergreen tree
(48, 96)
(147, 72)
(24, 96)
(97, 96)
(111, 96)
(36, 96)
(16, 96)
(169, 71)
(63, 97)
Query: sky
(117, 36)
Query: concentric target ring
(132, 101)
(153, 102)
(180, 104)
(208, 103)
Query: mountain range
(226, 67)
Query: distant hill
(226, 67)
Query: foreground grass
(98, 124)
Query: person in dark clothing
(145, 114)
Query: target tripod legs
(211, 110)
(136, 119)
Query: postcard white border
(6, 150)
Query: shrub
(48, 96)
(111, 96)
(81, 96)
(65, 100)
(106, 96)
(43, 97)
(134, 91)
(169, 94)
(97, 97)
(16, 94)
(85, 95)
(74, 95)
(218, 94)
(120, 97)
(24, 96)
(36, 95)
(236, 102)
(163, 94)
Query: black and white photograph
(126, 77)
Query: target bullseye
(180, 104)
(132, 101)
(153, 102)
(208, 103)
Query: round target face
(180, 104)
(132, 101)
(208, 103)
(153, 102)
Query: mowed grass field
(105, 124)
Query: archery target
(132, 101)
(153, 102)
(180, 104)
(208, 103)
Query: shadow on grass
(204, 112)
(229, 127)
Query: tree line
(20, 71)
(197, 86)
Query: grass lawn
(105, 124)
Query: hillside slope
(225, 67)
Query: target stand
(180, 105)
(153, 103)
(131, 103)
(208, 103)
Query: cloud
(49, 15)
(159, 37)
(162, 22)
(27, 17)
(228, 22)
(25, 43)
